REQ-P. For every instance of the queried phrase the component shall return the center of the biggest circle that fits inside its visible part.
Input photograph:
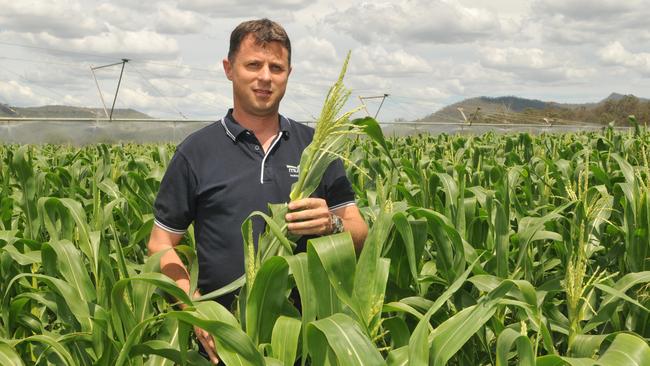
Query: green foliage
(483, 250)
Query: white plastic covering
(89, 131)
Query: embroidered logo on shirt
(294, 171)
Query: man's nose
(264, 73)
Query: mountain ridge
(63, 111)
(512, 109)
(501, 109)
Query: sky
(424, 53)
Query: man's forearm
(358, 230)
(171, 264)
(354, 223)
(173, 267)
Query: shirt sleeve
(335, 187)
(175, 205)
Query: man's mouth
(262, 92)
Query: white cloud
(426, 93)
(163, 17)
(377, 60)
(167, 88)
(531, 64)
(314, 49)
(315, 72)
(470, 72)
(316, 59)
(217, 100)
(616, 54)
(455, 86)
(533, 58)
(116, 43)
(564, 34)
(319, 63)
(138, 6)
(309, 91)
(168, 70)
(53, 17)
(136, 98)
(425, 54)
(437, 21)
(590, 9)
(16, 94)
(277, 9)
(205, 104)
(368, 84)
(71, 100)
(59, 77)
(171, 20)
(594, 21)
(120, 17)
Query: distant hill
(512, 109)
(617, 97)
(60, 111)
(6, 111)
(485, 105)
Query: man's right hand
(172, 266)
(207, 341)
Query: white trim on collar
(223, 123)
(267, 154)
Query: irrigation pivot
(92, 69)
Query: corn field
(509, 249)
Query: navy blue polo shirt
(219, 175)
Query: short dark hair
(264, 31)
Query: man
(225, 171)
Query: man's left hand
(309, 216)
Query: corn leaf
(332, 263)
(343, 336)
(505, 342)
(8, 356)
(285, 338)
(265, 299)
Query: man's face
(259, 75)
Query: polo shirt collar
(234, 129)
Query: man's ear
(227, 68)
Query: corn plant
(483, 250)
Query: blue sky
(425, 54)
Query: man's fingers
(313, 227)
(309, 232)
(306, 215)
(203, 334)
(207, 341)
(302, 204)
(306, 225)
(309, 216)
(307, 203)
(307, 209)
(209, 348)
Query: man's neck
(261, 126)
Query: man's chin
(267, 107)
(265, 111)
